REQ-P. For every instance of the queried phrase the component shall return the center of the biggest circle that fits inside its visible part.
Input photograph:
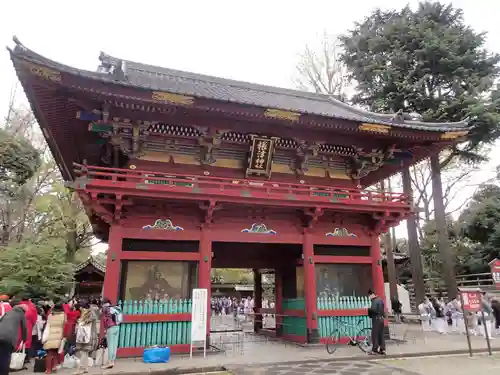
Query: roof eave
(21, 52)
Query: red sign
(495, 272)
(471, 300)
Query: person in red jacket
(71, 316)
(31, 318)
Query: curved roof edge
(91, 261)
(151, 77)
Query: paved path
(326, 367)
(451, 365)
(242, 351)
(442, 365)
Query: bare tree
(41, 208)
(457, 179)
(320, 70)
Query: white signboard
(199, 320)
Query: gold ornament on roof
(43, 72)
(375, 128)
(454, 135)
(168, 97)
(282, 115)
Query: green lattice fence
(134, 334)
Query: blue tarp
(156, 355)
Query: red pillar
(204, 271)
(111, 287)
(310, 290)
(377, 273)
(378, 276)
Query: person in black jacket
(377, 313)
(12, 325)
(495, 306)
(396, 308)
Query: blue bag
(156, 355)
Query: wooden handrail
(223, 183)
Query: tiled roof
(184, 83)
(91, 261)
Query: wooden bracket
(383, 223)
(314, 216)
(209, 210)
(90, 200)
(118, 208)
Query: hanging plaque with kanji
(261, 156)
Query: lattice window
(236, 137)
(177, 130)
(286, 143)
(337, 149)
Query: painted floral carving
(340, 232)
(163, 224)
(258, 228)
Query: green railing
(327, 324)
(294, 325)
(343, 303)
(143, 334)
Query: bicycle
(362, 338)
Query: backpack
(116, 314)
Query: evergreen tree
(426, 61)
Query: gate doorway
(244, 314)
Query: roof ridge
(222, 89)
(160, 70)
(388, 116)
(198, 77)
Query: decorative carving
(43, 72)
(209, 210)
(282, 115)
(135, 140)
(367, 162)
(375, 128)
(454, 135)
(258, 228)
(261, 156)
(401, 116)
(340, 232)
(314, 216)
(168, 97)
(207, 146)
(164, 224)
(303, 152)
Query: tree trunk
(417, 273)
(71, 241)
(443, 242)
(391, 268)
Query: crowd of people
(444, 317)
(242, 310)
(232, 306)
(48, 331)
